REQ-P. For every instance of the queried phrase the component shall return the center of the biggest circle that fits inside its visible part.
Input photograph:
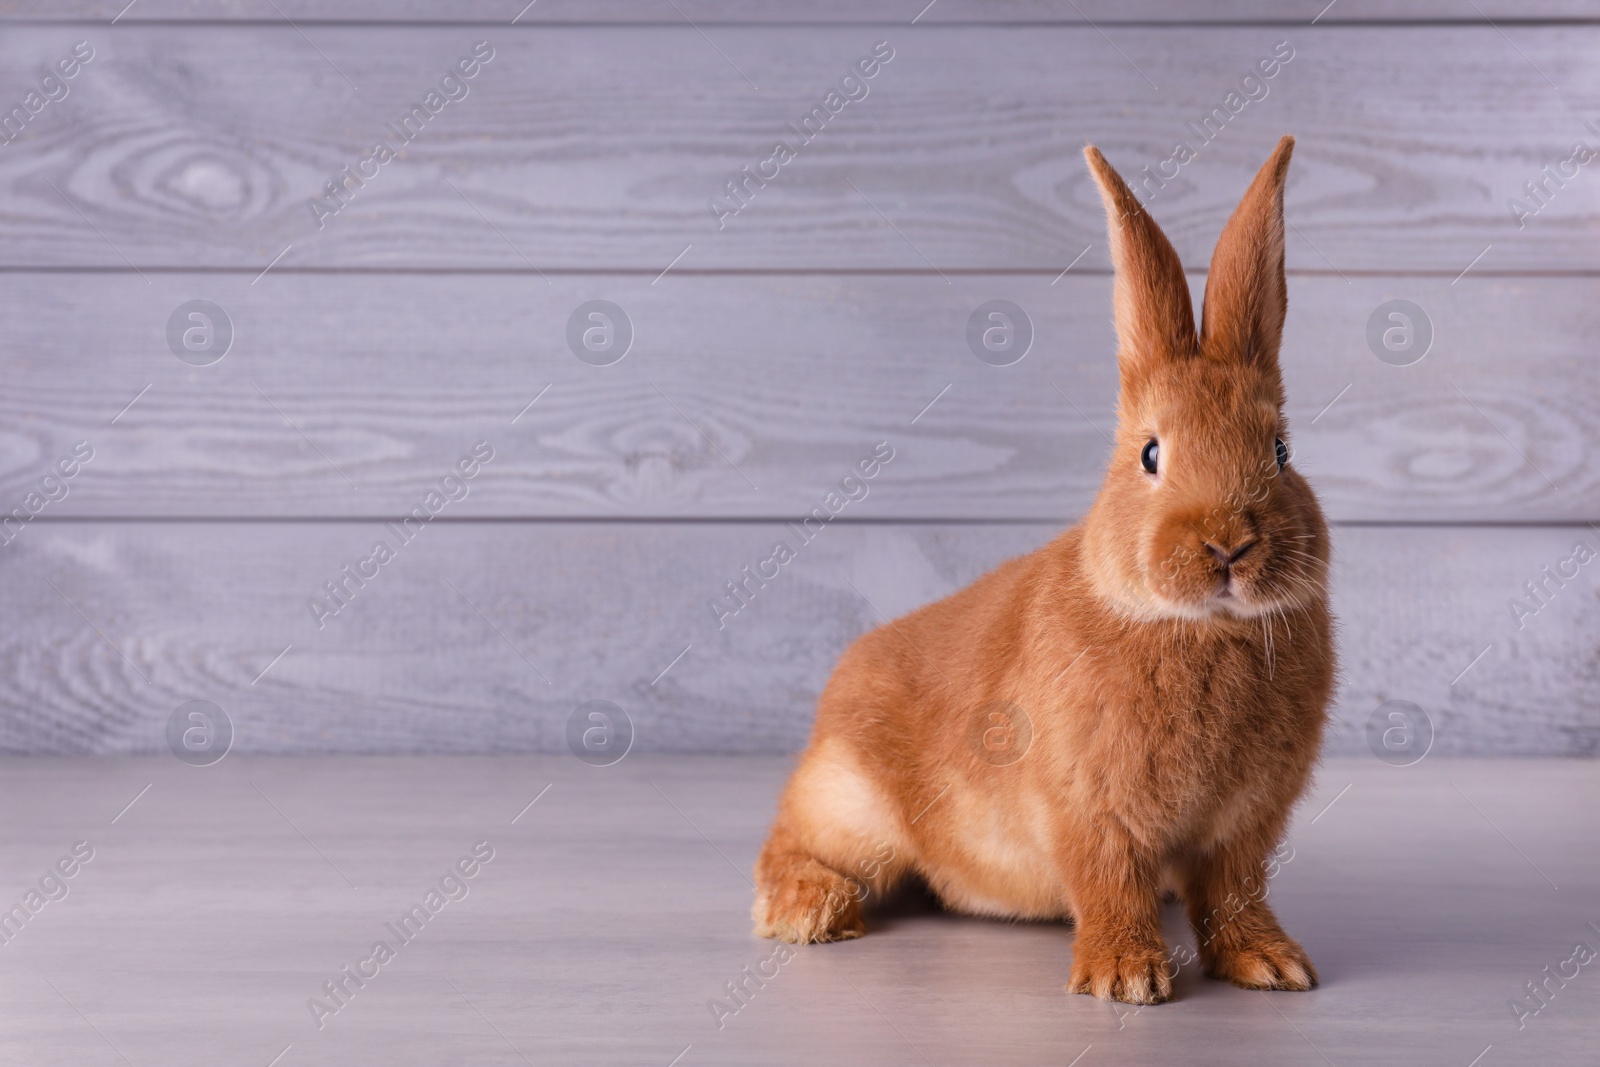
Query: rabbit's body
(1179, 751)
(1135, 706)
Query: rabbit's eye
(1151, 453)
(1283, 454)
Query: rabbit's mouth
(1228, 601)
(1241, 591)
(1228, 604)
(1257, 572)
(1241, 598)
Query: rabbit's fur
(1171, 706)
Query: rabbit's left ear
(1155, 321)
(1246, 295)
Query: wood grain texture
(349, 395)
(714, 12)
(600, 147)
(484, 637)
(826, 315)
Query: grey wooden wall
(370, 353)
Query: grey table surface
(615, 910)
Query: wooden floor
(614, 911)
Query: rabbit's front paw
(1132, 973)
(1267, 963)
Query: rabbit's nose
(1226, 558)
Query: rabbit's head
(1202, 514)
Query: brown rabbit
(1139, 703)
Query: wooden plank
(715, 12)
(484, 637)
(350, 395)
(583, 148)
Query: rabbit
(1134, 707)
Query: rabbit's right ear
(1155, 319)
(1246, 296)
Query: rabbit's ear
(1155, 320)
(1245, 292)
